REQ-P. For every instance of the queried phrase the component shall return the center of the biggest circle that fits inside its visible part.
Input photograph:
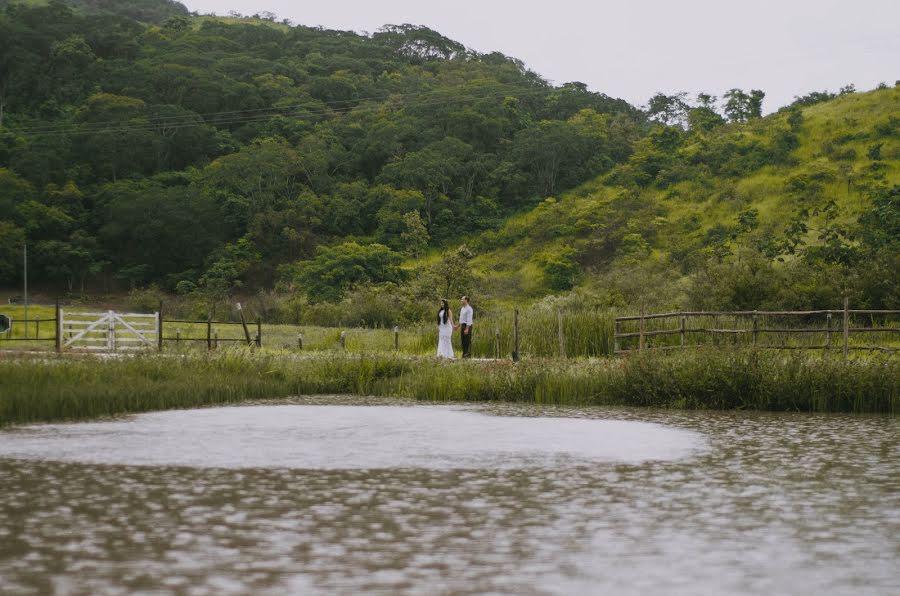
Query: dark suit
(466, 340)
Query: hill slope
(751, 215)
(144, 11)
(206, 157)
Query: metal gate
(109, 331)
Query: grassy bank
(60, 388)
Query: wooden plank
(777, 330)
(875, 348)
(80, 334)
(741, 313)
(846, 326)
(648, 333)
(135, 331)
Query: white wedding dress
(445, 337)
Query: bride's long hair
(445, 309)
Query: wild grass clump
(758, 380)
(586, 334)
(720, 379)
(60, 388)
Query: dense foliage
(362, 176)
(204, 152)
(792, 211)
(720, 379)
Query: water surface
(319, 496)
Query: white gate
(109, 331)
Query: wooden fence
(212, 337)
(756, 326)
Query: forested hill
(206, 152)
(210, 156)
(145, 11)
(792, 211)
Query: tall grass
(61, 388)
(586, 334)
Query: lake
(342, 495)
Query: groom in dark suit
(466, 314)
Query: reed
(56, 388)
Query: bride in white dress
(445, 331)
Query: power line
(239, 116)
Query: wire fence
(844, 329)
(534, 332)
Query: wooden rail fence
(754, 330)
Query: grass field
(58, 388)
(586, 334)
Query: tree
(334, 270)
(668, 109)
(12, 239)
(419, 43)
(163, 230)
(449, 276)
(704, 116)
(558, 153)
(755, 103)
(441, 169)
(114, 136)
(415, 237)
(70, 59)
(740, 107)
(263, 175)
(13, 192)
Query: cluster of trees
(677, 109)
(206, 154)
(790, 211)
(141, 145)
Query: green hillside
(144, 11)
(356, 178)
(753, 215)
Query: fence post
(616, 335)
(258, 332)
(159, 326)
(562, 334)
(178, 336)
(641, 333)
(37, 329)
(755, 328)
(683, 328)
(846, 327)
(828, 332)
(497, 343)
(244, 325)
(209, 334)
(58, 327)
(515, 354)
(111, 336)
(216, 338)
(300, 341)
(343, 340)
(397, 338)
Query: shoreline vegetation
(53, 388)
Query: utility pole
(25, 258)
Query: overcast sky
(634, 48)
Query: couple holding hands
(446, 326)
